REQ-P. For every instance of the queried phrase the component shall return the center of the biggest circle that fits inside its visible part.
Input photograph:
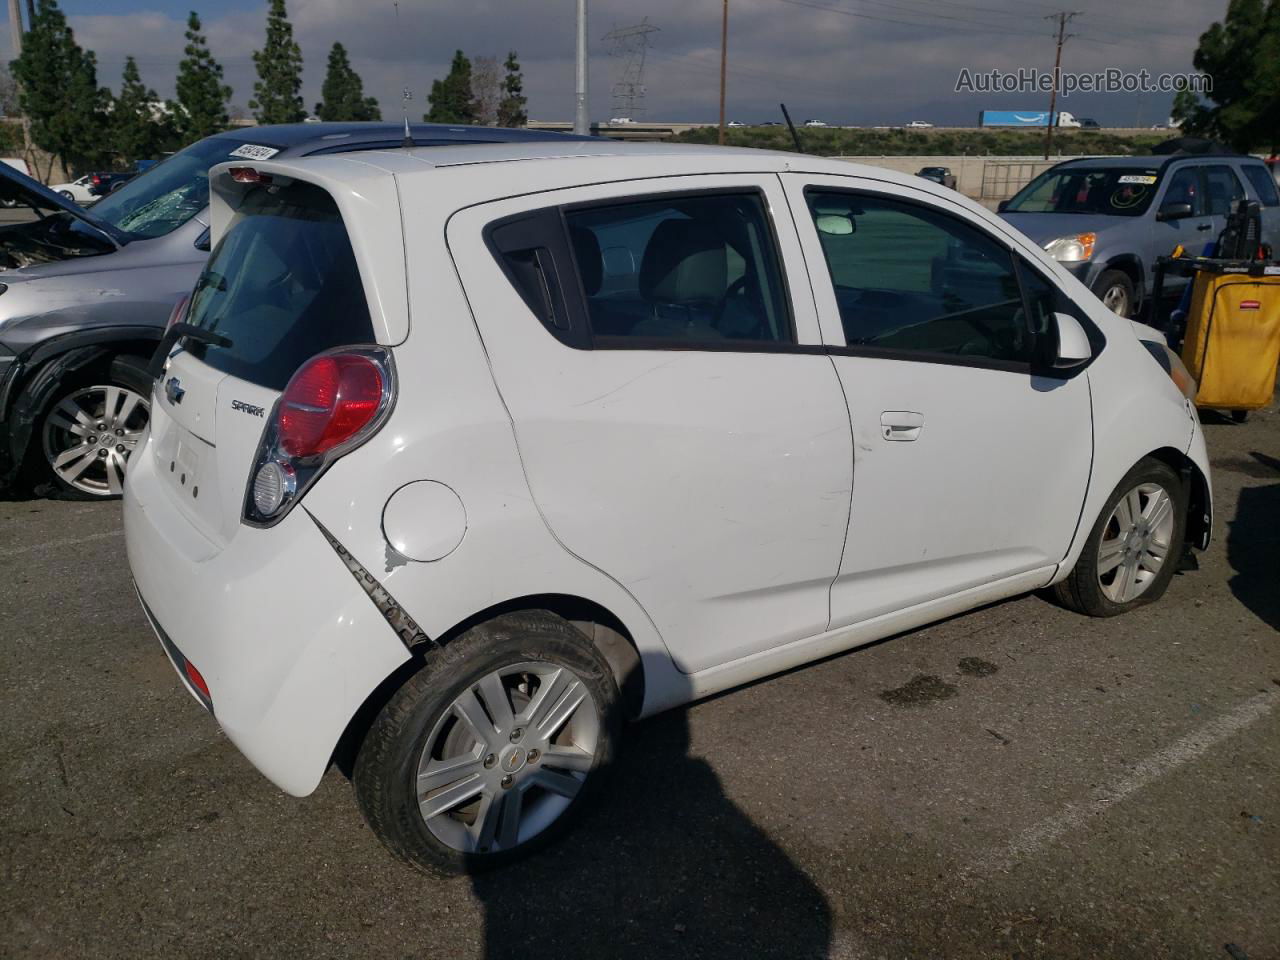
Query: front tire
(492, 748)
(90, 429)
(1132, 552)
(1115, 290)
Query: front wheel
(92, 427)
(1132, 552)
(1115, 290)
(492, 747)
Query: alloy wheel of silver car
(1116, 299)
(90, 434)
(508, 757)
(1136, 542)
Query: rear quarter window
(1264, 184)
(282, 285)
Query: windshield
(170, 193)
(1104, 191)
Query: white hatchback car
(461, 458)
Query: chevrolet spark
(461, 459)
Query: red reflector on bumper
(194, 676)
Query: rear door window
(689, 270)
(1224, 189)
(282, 285)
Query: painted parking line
(1195, 744)
(55, 544)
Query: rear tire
(522, 767)
(1115, 290)
(1125, 566)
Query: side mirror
(1002, 206)
(1073, 343)
(1174, 211)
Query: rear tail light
(249, 175)
(334, 403)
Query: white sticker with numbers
(1144, 179)
(252, 151)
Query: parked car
(735, 123)
(78, 190)
(1106, 219)
(919, 125)
(103, 183)
(621, 121)
(460, 459)
(1088, 123)
(942, 175)
(815, 123)
(70, 354)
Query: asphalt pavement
(1015, 782)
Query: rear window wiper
(180, 331)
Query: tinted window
(1264, 184)
(1105, 191)
(1224, 189)
(690, 269)
(911, 278)
(1184, 187)
(282, 284)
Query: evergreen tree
(343, 92)
(1242, 55)
(450, 98)
(201, 108)
(513, 107)
(59, 92)
(277, 92)
(139, 128)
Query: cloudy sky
(846, 61)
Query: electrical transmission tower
(629, 45)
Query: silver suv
(1106, 219)
(85, 296)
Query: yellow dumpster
(1232, 343)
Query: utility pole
(581, 114)
(15, 27)
(1063, 17)
(724, 59)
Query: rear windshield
(282, 285)
(1100, 191)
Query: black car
(103, 183)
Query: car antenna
(792, 127)
(406, 94)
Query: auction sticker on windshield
(253, 151)
(1127, 178)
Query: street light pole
(581, 115)
(724, 58)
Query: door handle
(1205, 226)
(901, 425)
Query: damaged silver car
(85, 295)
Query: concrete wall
(1006, 176)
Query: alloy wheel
(1116, 299)
(507, 757)
(90, 434)
(1136, 542)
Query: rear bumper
(286, 641)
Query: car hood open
(20, 188)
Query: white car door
(970, 465)
(679, 422)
